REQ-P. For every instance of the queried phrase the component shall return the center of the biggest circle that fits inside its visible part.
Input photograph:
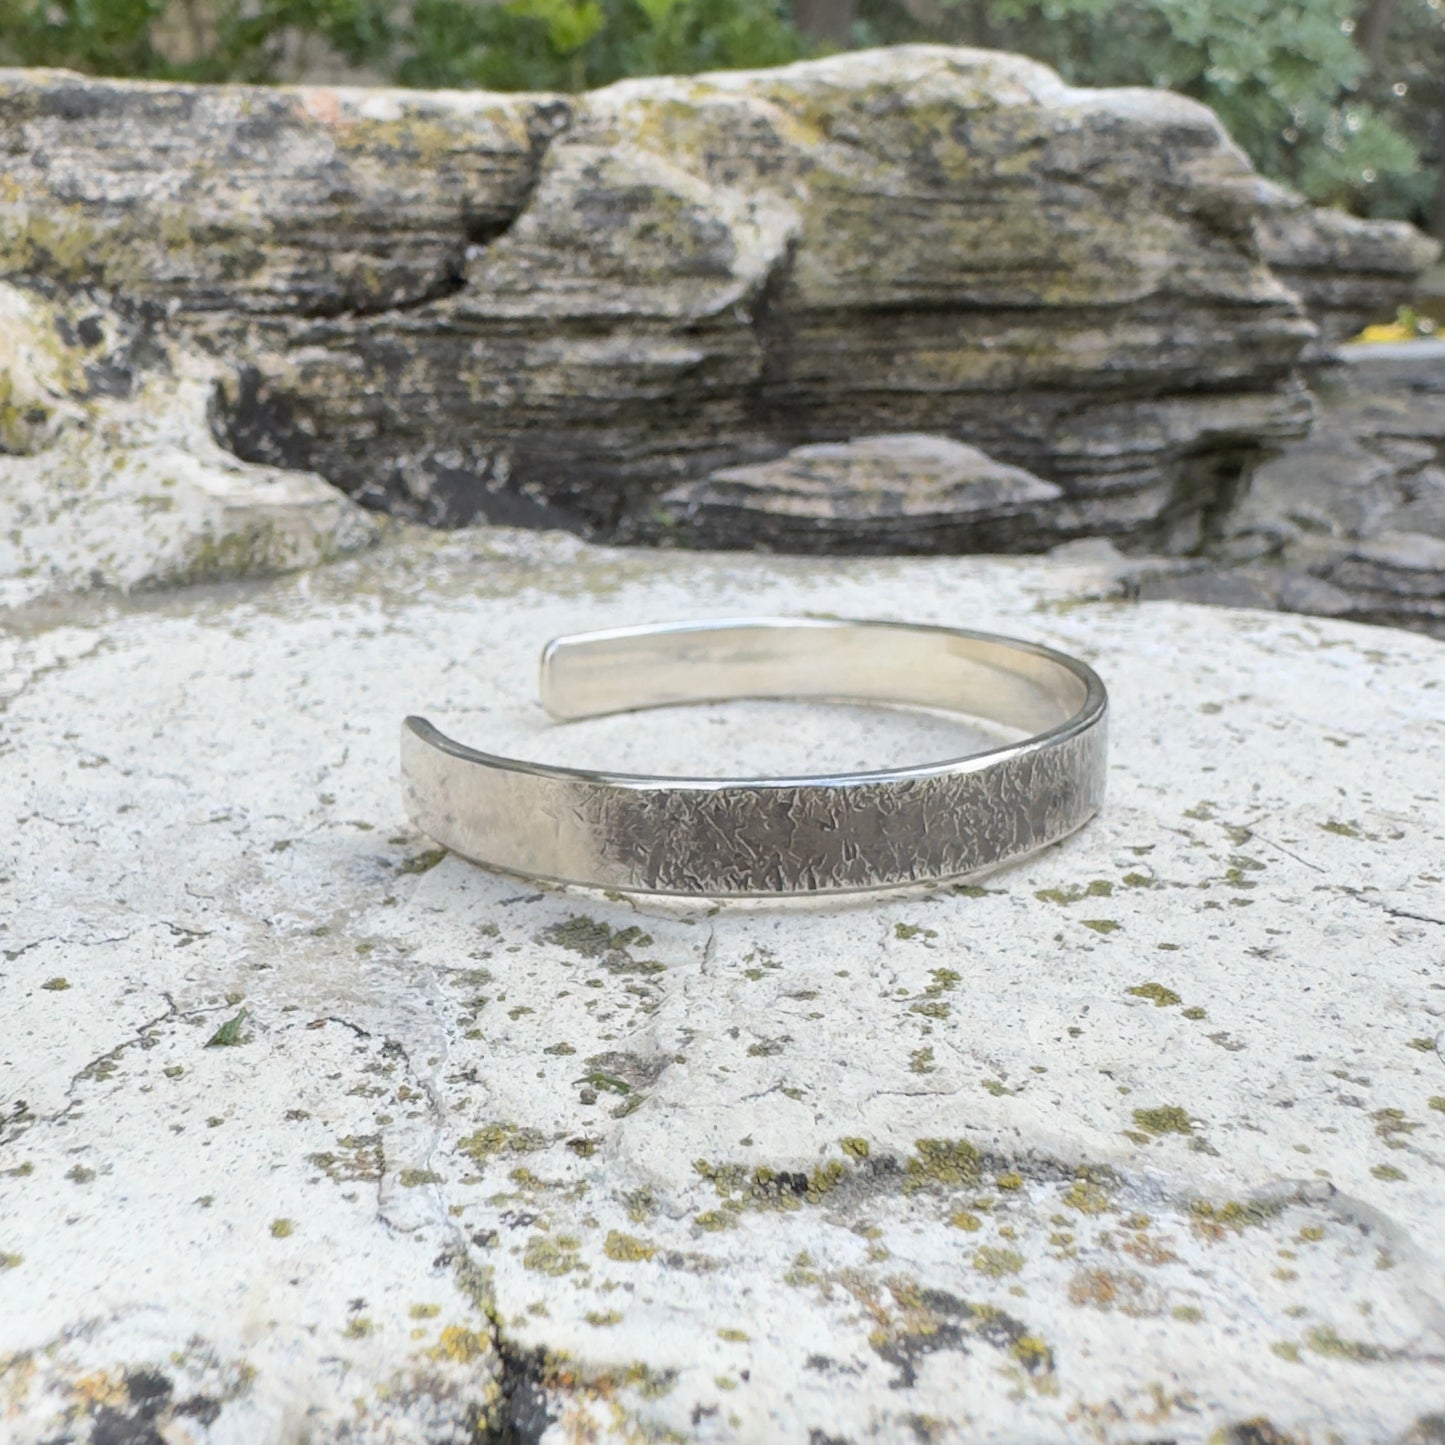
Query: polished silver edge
(595, 843)
(1094, 708)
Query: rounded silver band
(739, 837)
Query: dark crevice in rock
(524, 1411)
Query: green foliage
(1287, 79)
(575, 44)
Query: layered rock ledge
(547, 309)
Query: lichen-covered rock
(1349, 521)
(900, 493)
(309, 1130)
(539, 309)
(1347, 271)
(110, 474)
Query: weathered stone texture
(1348, 272)
(554, 310)
(309, 1131)
(110, 475)
(1350, 521)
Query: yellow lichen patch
(627, 1247)
(858, 1148)
(1099, 888)
(996, 1263)
(101, 1388)
(282, 1228)
(1213, 1219)
(552, 1254)
(424, 1311)
(739, 1337)
(942, 1161)
(499, 1138)
(714, 1220)
(1166, 1119)
(460, 1345)
(1086, 1197)
(1032, 1353)
(1156, 993)
(966, 1221)
(603, 1319)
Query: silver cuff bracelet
(739, 837)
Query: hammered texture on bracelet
(731, 837)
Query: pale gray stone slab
(1139, 1140)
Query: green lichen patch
(1156, 993)
(627, 1248)
(1393, 1127)
(855, 1148)
(79, 1174)
(1086, 1197)
(1165, 1119)
(424, 1311)
(1437, 1102)
(963, 1219)
(1194, 1013)
(1341, 830)
(1324, 1341)
(501, 1138)
(10, 1261)
(1100, 925)
(282, 1229)
(1098, 888)
(930, 1008)
(952, 1162)
(920, 1061)
(738, 1337)
(1424, 1046)
(591, 938)
(1388, 1173)
(422, 862)
(906, 931)
(715, 1220)
(415, 1178)
(1213, 1220)
(362, 1157)
(997, 1263)
(603, 1319)
(56, 985)
(553, 1254)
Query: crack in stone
(21, 1120)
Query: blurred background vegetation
(1344, 99)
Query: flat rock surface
(310, 1131)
